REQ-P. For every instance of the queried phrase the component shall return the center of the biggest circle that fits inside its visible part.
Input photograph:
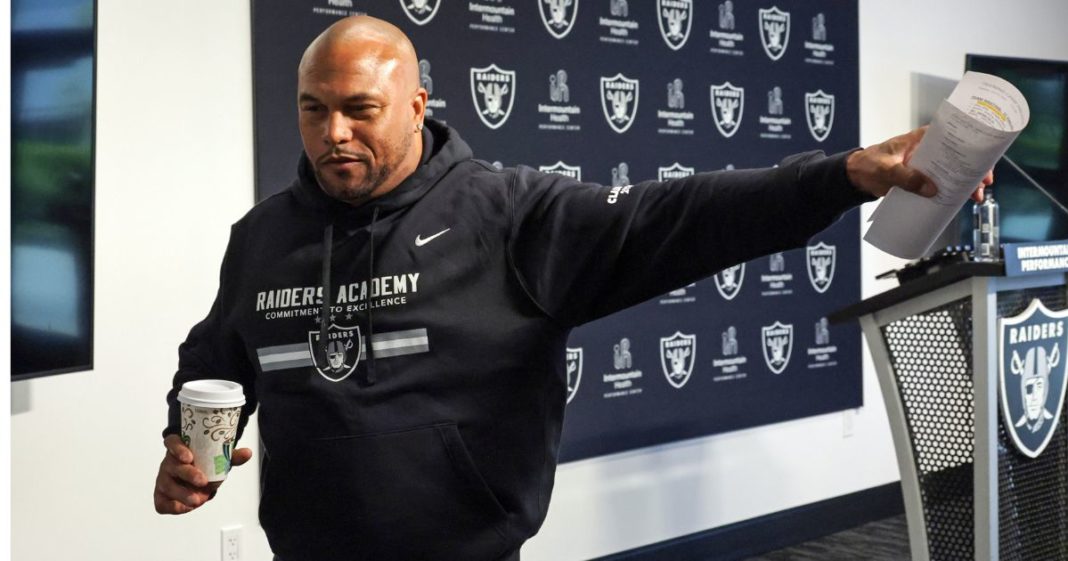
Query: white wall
(174, 169)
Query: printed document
(969, 133)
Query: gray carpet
(885, 540)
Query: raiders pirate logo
(619, 100)
(1032, 375)
(558, 16)
(729, 281)
(493, 91)
(728, 102)
(774, 31)
(420, 11)
(675, 18)
(778, 343)
(574, 172)
(819, 112)
(677, 355)
(573, 363)
(343, 349)
(674, 171)
(820, 265)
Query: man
(399, 315)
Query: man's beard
(356, 195)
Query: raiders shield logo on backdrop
(342, 352)
(491, 86)
(619, 100)
(729, 281)
(573, 362)
(674, 171)
(778, 339)
(774, 31)
(558, 16)
(727, 105)
(677, 355)
(420, 11)
(574, 172)
(819, 112)
(820, 265)
(1032, 375)
(674, 17)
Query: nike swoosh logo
(420, 241)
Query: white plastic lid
(212, 393)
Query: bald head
(361, 108)
(363, 39)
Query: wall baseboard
(774, 531)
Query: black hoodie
(440, 440)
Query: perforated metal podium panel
(1033, 493)
(931, 355)
(931, 358)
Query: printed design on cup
(1032, 375)
(675, 18)
(821, 258)
(819, 112)
(774, 31)
(778, 343)
(729, 281)
(216, 425)
(343, 348)
(573, 363)
(420, 11)
(558, 16)
(677, 356)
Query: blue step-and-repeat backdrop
(616, 92)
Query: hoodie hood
(442, 149)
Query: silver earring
(418, 127)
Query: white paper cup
(210, 412)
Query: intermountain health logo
(573, 363)
(420, 11)
(675, 18)
(493, 91)
(619, 100)
(728, 102)
(342, 351)
(819, 112)
(821, 258)
(774, 31)
(558, 16)
(1032, 375)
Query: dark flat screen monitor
(52, 139)
(1040, 153)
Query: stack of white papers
(970, 131)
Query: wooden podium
(969, 493)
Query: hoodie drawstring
(322, 351)
(324, 311)
(370, 377)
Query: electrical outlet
(231, 543)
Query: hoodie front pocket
(411, 494)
